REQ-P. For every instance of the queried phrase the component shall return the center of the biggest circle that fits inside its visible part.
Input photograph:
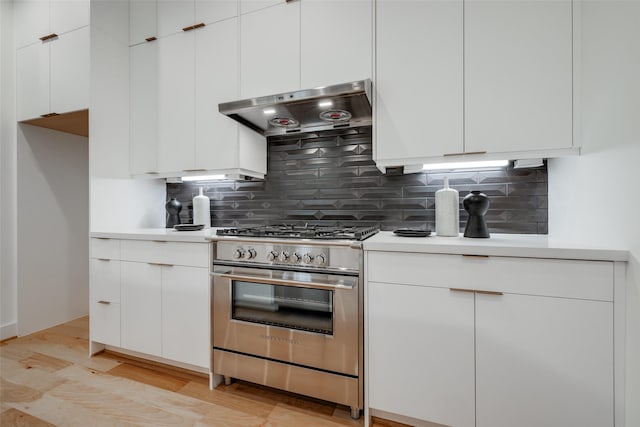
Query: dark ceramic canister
(173, 208)
(476, 204)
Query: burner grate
(302, 232)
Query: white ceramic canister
(447, 211)
(201, 210)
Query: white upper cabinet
(472, 80)
(32, 80)
(174, 16)
(216, 81)
(53, 77)
(176, 108)
(52, 74)
(270, 50)
(208, 11)
(419, 79)
(31, 21)
(177, 83)
(68, 15)
(39, 18)
(144, 109)
(336, 41)
(143, 23)
(518, 75)
(247, 6)
(70, 71)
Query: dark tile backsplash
(332, 180)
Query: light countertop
(517, 245)
(166, 234)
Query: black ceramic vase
(476, 204)
(173, 208)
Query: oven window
(287, 306)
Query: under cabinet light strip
(202, 177)
(466, 165)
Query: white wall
(8, 237)
(633, 341)
(53, 223)
(593, 198)
(117, 201)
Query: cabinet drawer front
(105, 248)
(162, 252)
(105, 280)
(104, 323)
(533, 276)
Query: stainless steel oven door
(309, 319)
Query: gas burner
(302, 232)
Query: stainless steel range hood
(330, 107)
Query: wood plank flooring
(48, 379)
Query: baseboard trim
(8, 331)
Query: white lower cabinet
(543, 361)
(104, 305)
(421, 346)
(452, 352)
(142, 307)
(152, 297)
(185, 311)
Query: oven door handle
(340, 282)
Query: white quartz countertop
(165, 234)
(516, 245)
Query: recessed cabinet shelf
(75, 122)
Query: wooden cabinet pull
(104, 302)
(475, 291)
(104, 259)
(160, 264)
(462, 290)
(194, 27)
(49, 115)
(152, 38)
(102, 238)
(464, 153)
(475, 256)
(159, 241)
(489, 293)
(49, 37)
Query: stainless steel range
(287, 307)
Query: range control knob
(271, 256)
(250, 254)
(320, 259)
(295, 257)
(284, 256)
(307, 258)
(238, 253)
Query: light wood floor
(49, 379)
